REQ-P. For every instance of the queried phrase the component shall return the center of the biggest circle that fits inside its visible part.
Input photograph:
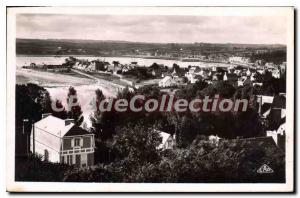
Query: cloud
(146, 28)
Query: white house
(92, 67)
(278, 135)
(248, 72)
(191, 77)
(61, 141)
(166, 82)
(276, 73)
(244, 80)
(238, 59)
(225, 78)
(214, 139)
(168, 141)
(261, 100)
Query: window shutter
(72, 143)
(81, 141)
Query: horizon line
(124, 41)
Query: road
(101, 82)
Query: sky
(154, 28)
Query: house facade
(61, 141)
(168, 141)
(166, 82)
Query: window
(69, 159)
(77, 142)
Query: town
(97, 148)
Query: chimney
(68, 121)
(45, 115)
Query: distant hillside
(112, 48)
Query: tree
(154, 66)
(223, 89)
(74, 109)
(70, 61)
(176, 67)
(46, 102)
(31, 102)
(60, 114)
(96, 117)
(185, 80)
(137, 143)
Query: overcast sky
(160, 29)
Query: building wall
(90, 159)
(44, 141)
(78, 157)
(67, 145)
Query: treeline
(276, 56)
(103, 48)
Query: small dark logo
(265, 169)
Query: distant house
(244, 80)
(282, 67)
(238, 59)
(253, 77)
(174, 73)
(225, 78)
(248, 72)
(101, 65)
(214, 139)
(156, 72)
(264, 104)
(166, 82)
(168, 141)
(191, 77)
(61, 141)
(193, 74)
(278, 111)
(274, 106)
(92, 66)
(276, 73)
(278, 135)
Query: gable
(76, 130)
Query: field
(50, 79)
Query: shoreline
(124, 56)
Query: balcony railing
(78, 150)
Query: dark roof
(265, 107)
(247, 81)
(279, 102)
(75, 130)
(275, 119)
